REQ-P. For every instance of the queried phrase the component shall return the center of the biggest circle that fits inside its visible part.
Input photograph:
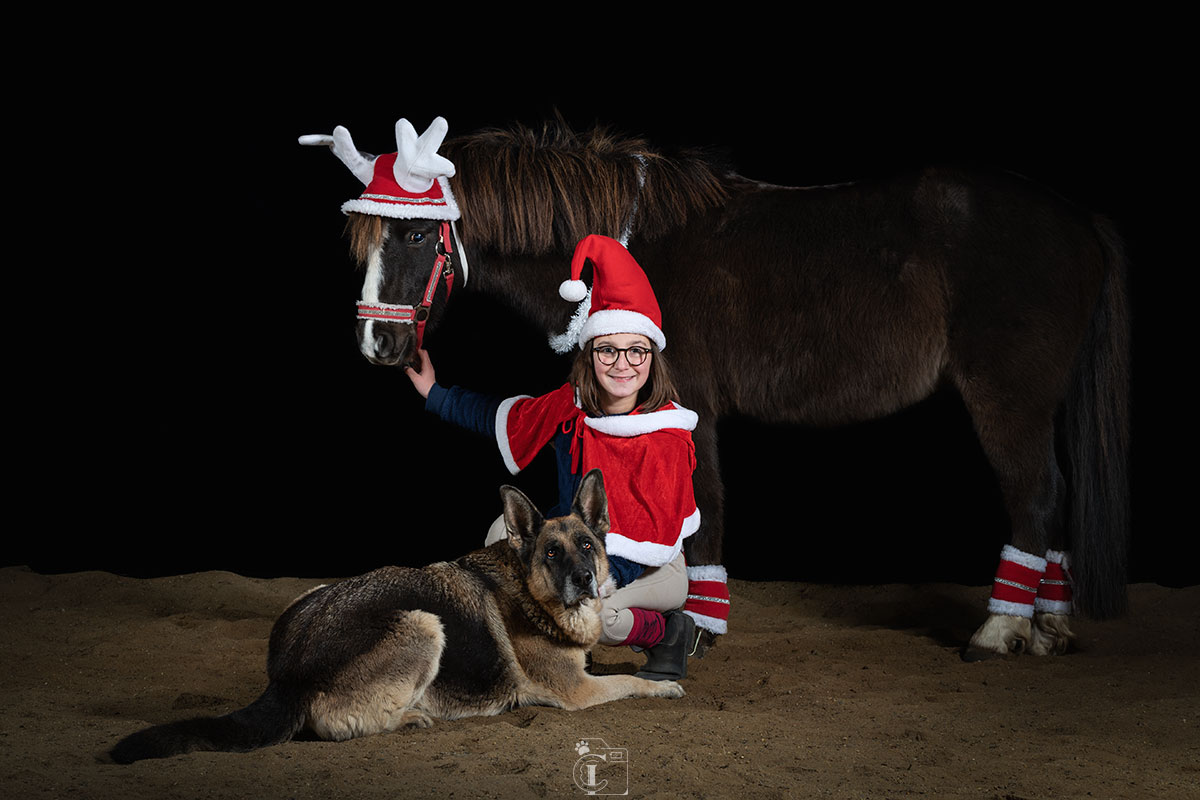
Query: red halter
(386, 312)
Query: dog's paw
(416, 719)
(670, 690)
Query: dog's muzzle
(581, 585)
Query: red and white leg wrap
(1054, 592)
(1016, 585)
(708, 597)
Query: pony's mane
(536, 192)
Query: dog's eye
(586, 546)
(551, 554)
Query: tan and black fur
(506, 626)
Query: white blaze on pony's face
(372, 283)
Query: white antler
(361, 164)
(417, 163)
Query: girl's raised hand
(423, 381)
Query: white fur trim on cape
(620, 320)
(636, 424)
(708, 572)
(651, 554)
(1010, 553)
(502, 432)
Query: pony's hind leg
(1052, 633)
(1018, 442)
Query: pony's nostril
(385, 344)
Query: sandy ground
(817, 691)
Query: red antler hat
(411, 183)
(622, 300)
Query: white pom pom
(574, 291)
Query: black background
(191, 396)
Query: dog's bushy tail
(273, 718)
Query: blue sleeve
(624, 571)
(467, 409)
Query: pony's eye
(416, 237)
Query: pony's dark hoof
(972, 654)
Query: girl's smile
(621, 381)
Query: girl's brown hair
(658, 391)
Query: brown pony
(830, 305)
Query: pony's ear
(591, 503)
(522, 520)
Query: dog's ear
(522, 520)
(591, 503)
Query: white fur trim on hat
(566, 341)
(443, 208)
(619, 320)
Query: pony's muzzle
(387, 343)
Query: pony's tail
(1097, 438)
(271, 719)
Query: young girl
(618, 412)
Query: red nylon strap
(442, 265)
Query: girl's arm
(470, 410)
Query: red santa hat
(412, 183)
(621, 298)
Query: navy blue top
(477, 412)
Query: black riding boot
(667, 660)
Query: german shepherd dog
(506, 626)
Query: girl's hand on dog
(423, 381)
